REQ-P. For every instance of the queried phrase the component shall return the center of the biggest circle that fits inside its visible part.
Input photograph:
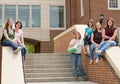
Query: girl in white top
(76, 57)
(19, 37)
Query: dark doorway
(33, 46)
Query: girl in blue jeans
(8, 37)
(110, 38)
(19, 38)
(96, 38)
(76, 57)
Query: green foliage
(30, 48)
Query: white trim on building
(113, 4)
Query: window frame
(57, 28)
(111, 8)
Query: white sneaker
(17, 50)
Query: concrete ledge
(113, 56)
(80, 28)
(12, 71)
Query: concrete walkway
(81, 82)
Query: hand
(96, 45)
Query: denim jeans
(23, 51)
(77, 65)
(13, 45)
(92, 48)
(104, 45)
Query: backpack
(87, 40)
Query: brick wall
(101, 73)
(61, 44)
(93, 12)
(48, 46)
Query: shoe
(82, 78)
(75, 77)
(91, 62)
(17, 50)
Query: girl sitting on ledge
(8, 37)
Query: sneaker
(76, 77)
(17, 50)
(82, 78)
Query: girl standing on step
(19, 38)
(76, 56)
(8, 36)
(110, 38)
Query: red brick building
(79, 11)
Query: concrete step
(28, 62)
(47, 66)
(67, 82)
(52, 79)
(47, 54)
(48, 57)
(37, 75)
(48, 70)
(72, 82)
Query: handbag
(73, 49)
(87, 40)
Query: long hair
(98, 23)
(7, 23)
(90, 21)
(109, 27)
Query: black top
(97, 37)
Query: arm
(83, 49)
(92, 36)
(6, 35)
(22, 38)
(114, 35)
(72, 44)
(104, 36)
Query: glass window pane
(61, 16)
(113, 3)
(23, 15)
(56, 16)
(0, 16)
(36, 16)
(10, 11)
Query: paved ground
(81, 82)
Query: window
(36, 16)
(113, 4)
(10, 11)
(56, 16)
(0, 16)
(23, 15)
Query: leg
(107, 45)
(23, 51)
(80, 67)
(99, 47)
(92, 53)
(74, 65)
(11, 44)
